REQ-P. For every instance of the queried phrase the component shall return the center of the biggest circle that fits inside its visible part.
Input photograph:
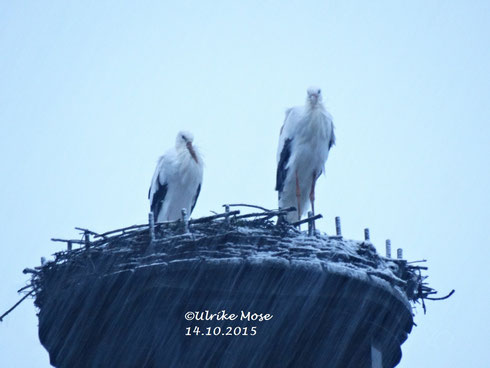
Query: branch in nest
(247, 205)
(25, 287)
(68, 241)
(442, 298)
(316, 217)
(122, 229)
(88, 231)
(16, 304)
(209, 218)
(266, 215)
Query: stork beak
(191, 151)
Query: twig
(442, 298)
(419, 268)
(247, 205)
(268, 214)
(288, 209)
(68, 241)
(261, 214)
(122, 229)
(209, 218)
(88, 231)
(25, 287)
(16, 304)
(316, 217)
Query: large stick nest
(227, 237)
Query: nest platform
(120, 299)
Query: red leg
(298, 196)
(312, 196)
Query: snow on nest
(233, 243)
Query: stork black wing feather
(158, 198)
(195, 198)
(282, 171)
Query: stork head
(184, 141)
(314, 96)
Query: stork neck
(317, 106)
(188, 156)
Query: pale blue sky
(92, 93)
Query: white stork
(305, 140)
(177, 180)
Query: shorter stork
(304, 143)
(177, 180)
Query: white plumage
(304, 143)
(177, 180)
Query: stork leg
(298, 196)
(312, 196)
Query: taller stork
(304, 143)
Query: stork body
(304, 143)
(176, 183)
